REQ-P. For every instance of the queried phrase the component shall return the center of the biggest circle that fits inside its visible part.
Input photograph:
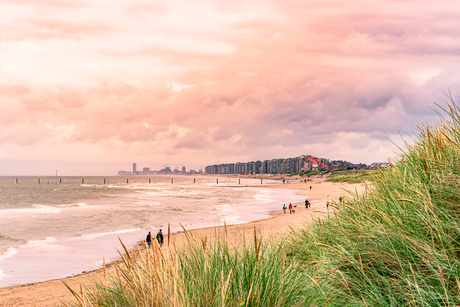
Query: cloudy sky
(89, 87)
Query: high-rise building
(134, 168)
(183, 169)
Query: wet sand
(50, 293)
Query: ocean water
(56, 227)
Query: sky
(89, 87)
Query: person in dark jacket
(149, 239)
(160, 238)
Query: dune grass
(352, 176)
(398, 244)
(202, 273)
(342, 175)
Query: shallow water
(55, 229)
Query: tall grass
(352, 176)
(399, 244)
(203, 273)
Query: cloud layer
(90, 87)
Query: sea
(55, 227)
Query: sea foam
(36, 209)
(92, 236)
(47, 244)
(2, 275)
(10, 251)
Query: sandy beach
(50, 293)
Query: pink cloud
(211, 82)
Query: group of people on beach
(159, 238)
(291, 207)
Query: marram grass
(203, 273)
(396, 245)
(399, 244)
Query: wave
(2, 275)
(75, 205)
(48, 243)
(155, 203)
(229, 219)
(37, 209)
(10, 251)
(8, 238)
(92, 236)
(264, 196)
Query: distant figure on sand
(149, 239)
(284, 208)
(306, 203)
(160, 238)
(290, 208)
(340, 199)
(310, 187)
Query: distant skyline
(87, 87)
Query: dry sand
(49, 293)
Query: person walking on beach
(284, 208)
(306, 203)
(149, 239)
(290, 208)
(310, 188)
(160, 238)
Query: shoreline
(278, 225)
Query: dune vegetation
(352, 176)
(341, 175)
(398, 244)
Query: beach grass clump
(399, 243)
(202, 273)
(352, 176)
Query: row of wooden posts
(127, 181)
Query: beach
(278, 226)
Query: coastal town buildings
(166, 170)
(281, 166)
(274, 166)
